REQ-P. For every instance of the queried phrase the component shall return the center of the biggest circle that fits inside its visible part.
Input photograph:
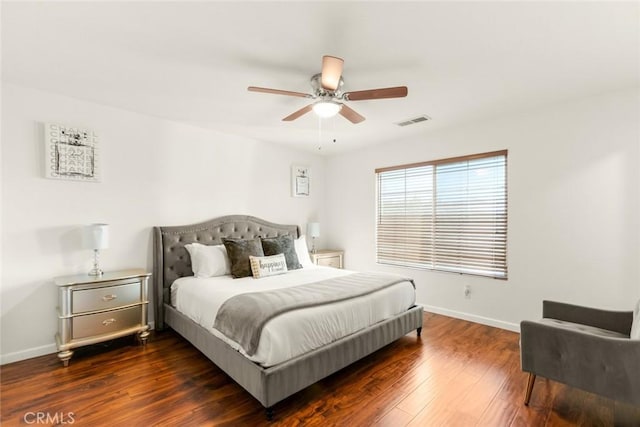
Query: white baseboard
(30, 353)
(514, 327)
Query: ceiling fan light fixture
(329, 97)
(326, 109)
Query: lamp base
(96, 272)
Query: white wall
(156, 172)
(574, 203)
(574, 195)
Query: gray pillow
(282, 245)
(238, 252)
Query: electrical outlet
(467, 291)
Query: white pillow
(208, 261)
(635, 325)
(302, 251)
(263, 266)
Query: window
(446, 215)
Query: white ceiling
(192, 61)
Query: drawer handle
(108, 321)
(109, 297)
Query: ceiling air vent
(419, 119)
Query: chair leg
(530, 382)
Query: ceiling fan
(327, 91)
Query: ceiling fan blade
(298, 113)
(278, 92)
(388, 92)
(351, 115)
(331, 72)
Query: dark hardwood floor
(458, 374)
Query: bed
(269, 382)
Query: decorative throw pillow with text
(263, 266)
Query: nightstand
(93, 309)
(327, 257)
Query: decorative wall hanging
(71, 153)
(299, 181)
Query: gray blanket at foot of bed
(243, 316)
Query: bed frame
(273, 384)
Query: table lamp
(96, 237)
(313, 230)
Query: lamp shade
(313, 229)
(96, 236)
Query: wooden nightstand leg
(64, 357)
(142, 336)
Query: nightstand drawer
(105, 323)
(333, 261)
(327, 258)
(105, 298)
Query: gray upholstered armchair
(595, 350)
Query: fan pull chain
(330, 129)
(319, 133)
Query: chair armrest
(618, 321)
(603, 365)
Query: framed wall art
(300, 181)
(71, 153)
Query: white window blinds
(447, 215)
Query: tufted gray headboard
(171, 260)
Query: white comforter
(298, 331)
